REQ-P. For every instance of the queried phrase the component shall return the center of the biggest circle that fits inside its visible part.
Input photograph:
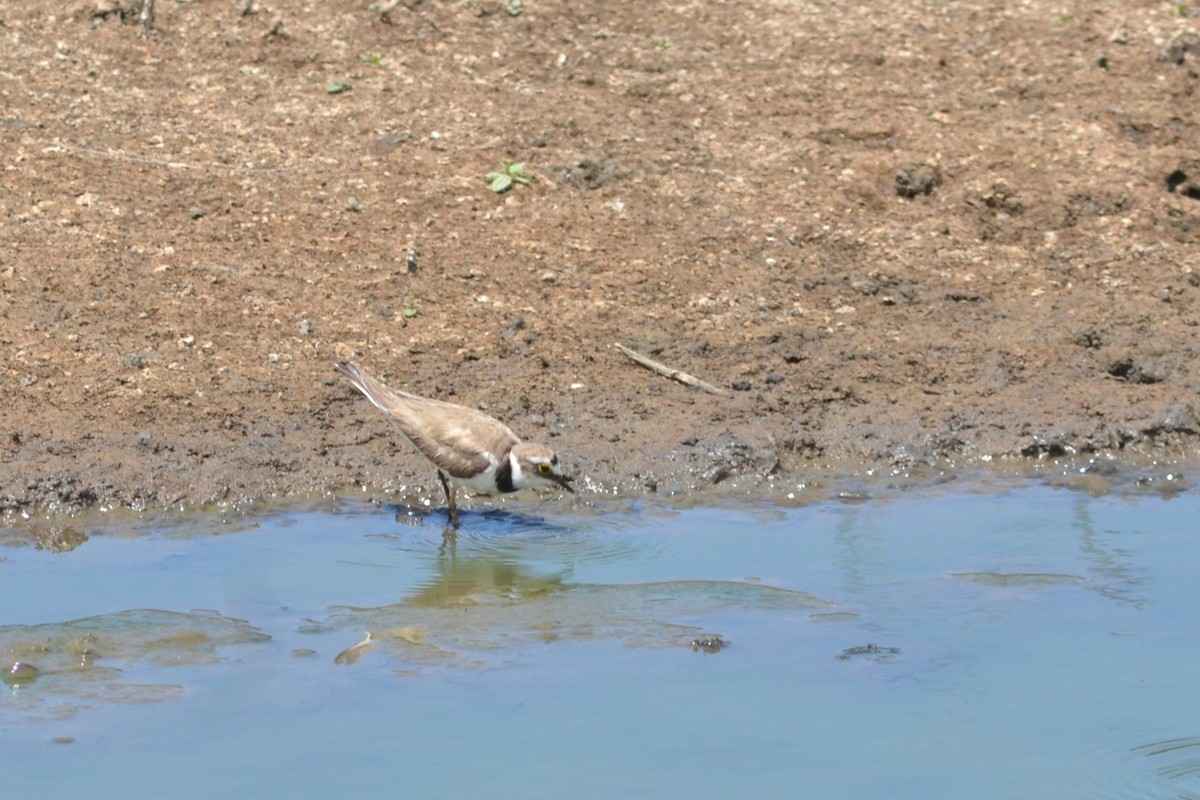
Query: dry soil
(921, 233)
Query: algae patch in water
(86, 658)
(1018, 578)
(478, 607)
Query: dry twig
(670, 372)
(146, 16)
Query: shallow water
(1034, 642)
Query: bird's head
(537, 465)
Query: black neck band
(504, 482)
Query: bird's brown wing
(457, 443)
(449, 435)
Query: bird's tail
(354, 373)
(372, 389)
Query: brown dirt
(925, 232)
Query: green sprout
(509, 174)
(374, 59)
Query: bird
(468, 447)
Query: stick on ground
(670, 372)
(146, 16)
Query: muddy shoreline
(952, 236)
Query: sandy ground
(917, 236)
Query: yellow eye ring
(544, 469)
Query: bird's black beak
(563, 481)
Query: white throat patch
(518, 474)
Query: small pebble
(134, 361)
(741, 386)
(917, 179)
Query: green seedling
(509, 174)
(374, 59)
(337, 87)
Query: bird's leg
(449, 498)
(449, 548)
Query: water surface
(1033, 642)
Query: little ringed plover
(468, 447)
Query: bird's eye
(543, 469)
